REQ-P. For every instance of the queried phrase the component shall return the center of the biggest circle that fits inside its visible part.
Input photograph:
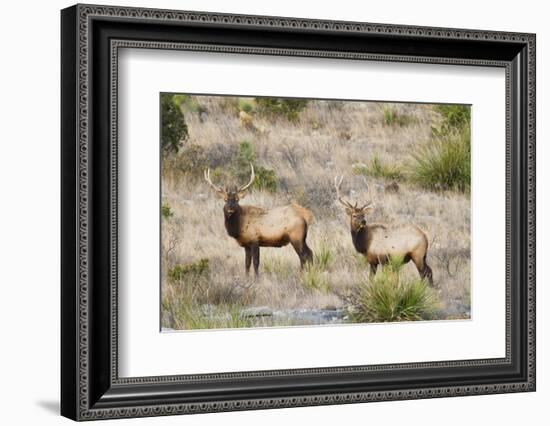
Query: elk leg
(247, 259)
(424, 270)
(373, 268)
(303, 251)
(256, 258)
(307, 253)
(427, 273)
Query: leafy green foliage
(389, 297)
(173, 127)
(288, 109)
(376, 168)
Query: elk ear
(349, 210)
(241, 195)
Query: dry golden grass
(328, 139)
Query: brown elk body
(380, 242)
(254, 227)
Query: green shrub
(444, 163)
(389, 297)
(243, 158)
(266, 179)
(173, 127)
(245, 105)
(166, 211)
(196, 269)
(188, 103)
(190, 161)
(274, 108)
(454, 117)
(376, 168)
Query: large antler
(252, 176)
(216, 188)
(368, 203)
(337, 183)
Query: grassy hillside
(297, 155)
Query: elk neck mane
(233, 223)
(360, 239)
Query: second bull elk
(379, 242)
(254, 227)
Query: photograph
(279, 212)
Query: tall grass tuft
(377, 169)
(393, 118)
(444, 163)
(323, 257)
(389, 296)
(313, 277)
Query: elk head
(356, 213)
(231, 195)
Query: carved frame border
(85, 13)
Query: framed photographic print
(263, 212)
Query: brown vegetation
(302, 154)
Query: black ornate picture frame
(90, 385)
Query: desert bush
(173, 127)
(191, 161)
(245, 105)
(444, 163)
(166, 211)
(196, 269)
(274, 108)
(377, 169)
(266, 179)
(389, 296)
(189, 103)
(317, 196)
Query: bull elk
(379, 242)
(254, 227)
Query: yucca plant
(389, 297)
(444, 163)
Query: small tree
(174, 129)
